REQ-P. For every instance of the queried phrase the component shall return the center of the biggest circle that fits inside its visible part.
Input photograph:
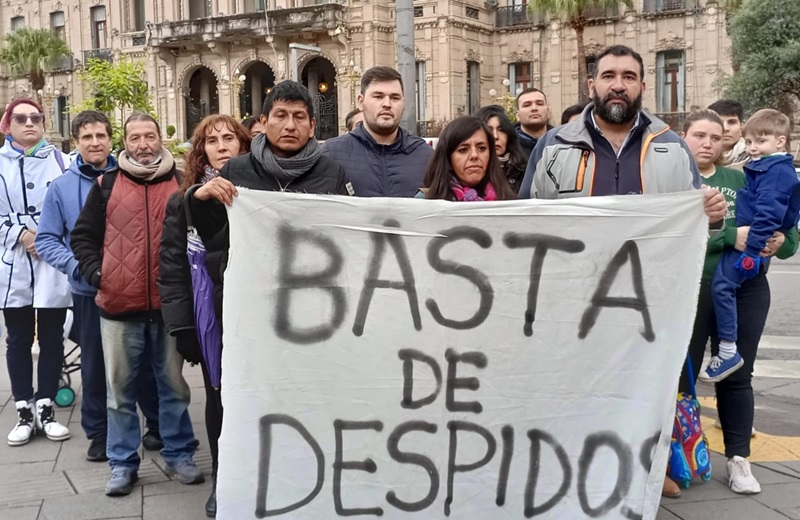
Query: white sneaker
(741, 479)
(25, 427)
(718, 425)
(46, 421)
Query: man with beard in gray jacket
(382, 159)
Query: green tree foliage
(575, 13)
(765, 36)
(119, 85)
(32, 53)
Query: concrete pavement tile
(764, 385)
(783, 467)
(39, 449)
(793, 466)
(15, 505)
(703, 492)
(766, 476)
(181, 506)
(93, 506)
(780, 496)
(13, 472)
(94, 479)
(791, 391)
(35, 487)
(174, 487)
(665, 514)
(20, 513)
(731, 509)
(73, 457)
(793, 513)
(197, 411)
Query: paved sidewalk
(45, 480)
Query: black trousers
(213, 418)
(735, 403)
(21, 323)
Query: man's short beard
(534, 127)
(381, 129)
(615, 113)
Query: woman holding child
(703, 132)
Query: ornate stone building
(204, 56)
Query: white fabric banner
(409, 358)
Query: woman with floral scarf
(465, 166)
(216, 139)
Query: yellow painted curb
(763, 447)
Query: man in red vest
(117, 240)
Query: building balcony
(317, 18)
(598, 12)
(97, 54)
(668, 6)
(517, 16)
(64, 64)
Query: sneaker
(121, 481)
(152, 441)
(741, 479)
(97, 450)
(718, 425)
(46, 421)
(186, 471)
(718, 369)
(22, 432)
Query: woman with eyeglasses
(33, 295)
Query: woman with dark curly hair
(506, 143)
(464, 166)
(216, 139)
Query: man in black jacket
(285, 158)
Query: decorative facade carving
(671, 42)
(593, 48)
(522, 55)
(473, 54)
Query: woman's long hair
(197, 159)
(440, 172)
(517, 159)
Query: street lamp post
(505, 100)
(353, 78)
(236, 85)
(48, 97)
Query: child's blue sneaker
(718, 369)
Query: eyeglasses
(36, 118)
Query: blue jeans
(21, 323)
(727, 279)
(94, 416)
(127, 347)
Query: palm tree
(32, 53)
(574, 11)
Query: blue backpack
(689, 456)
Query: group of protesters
(106, 236)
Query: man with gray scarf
(116, 240)
(286, 157)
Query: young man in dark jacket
(116, 240)
(382, 159)
(62, 204)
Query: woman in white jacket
(31, 291)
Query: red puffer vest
(134, 220)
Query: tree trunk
(37, 83)
(583, 86)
